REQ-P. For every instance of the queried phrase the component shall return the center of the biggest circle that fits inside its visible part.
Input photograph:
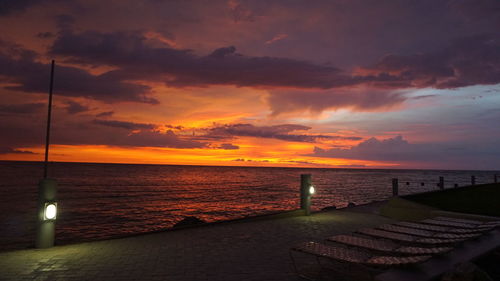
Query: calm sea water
(98, 201)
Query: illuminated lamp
(312, 190)
(47, 213)
(306, 192)
(50, 211)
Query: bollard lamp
(47, 213)
(306, 192)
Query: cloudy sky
(295, 83)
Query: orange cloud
(276, 153)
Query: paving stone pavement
(253, 250)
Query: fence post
(441, 183)
(395, 187)
(305, 192)
(472, 180)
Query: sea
(102, 201)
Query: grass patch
(479, 199)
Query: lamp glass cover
(311, 190)
(50, 211)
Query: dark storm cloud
(9, 150)
(317, 101)
(105, 114)
(485, 12)
(468, 61)
(19, 66)
(472, 60)
(124, 124)
(64, 21)
(392, 149)
(73, 107)
(398, 149)
(26, 131)
(178, 127)
(45, 35)
(228, 146)
(138, 58)
(222, 52)
(157, 139)
(9, 6)
(25, 108)
(281, 132)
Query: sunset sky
(290, 83)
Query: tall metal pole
(47, 191)
(47, 136)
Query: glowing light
(311, 190)
(50, 211)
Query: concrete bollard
(441, 183)
(472, 180)
(306, 191)
(47, 211)
(395, 187)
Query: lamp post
(306, 191)
(395, 187)
(47, 190)
(47, 213)
(441, 183)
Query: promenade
(244, 250)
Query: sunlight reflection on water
(98, 201)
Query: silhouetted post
(472, 180)
(47, 189)
(495, 179)
(49, 115)
(441, 183)
(456, 185)
(395, 187)
(306, 192)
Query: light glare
(50, 211)
(311, 190)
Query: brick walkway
(255, 250)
